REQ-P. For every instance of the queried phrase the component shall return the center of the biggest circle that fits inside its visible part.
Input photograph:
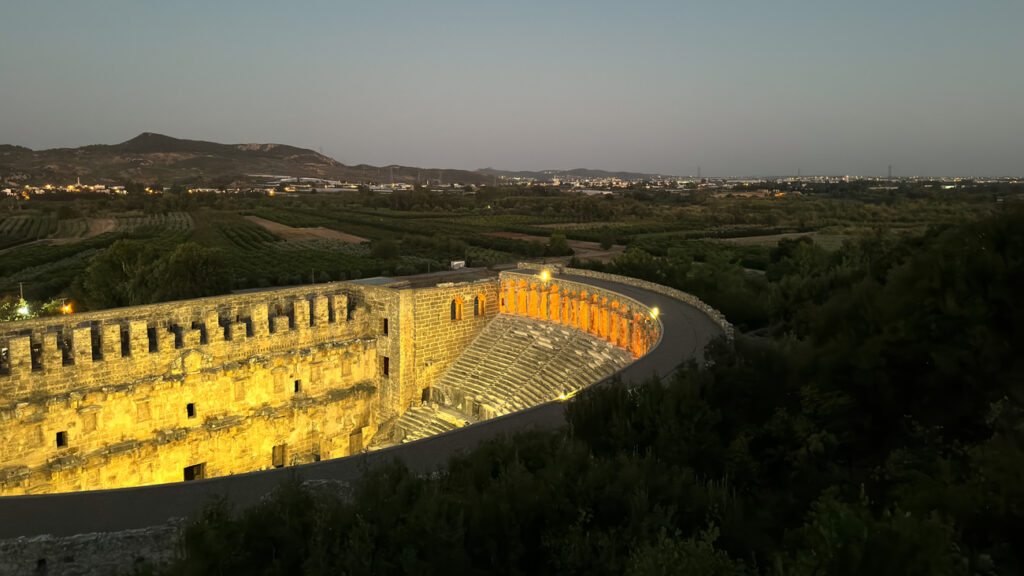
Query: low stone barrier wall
(96, 554)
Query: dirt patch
(767, 240)
(593, 251)
(582, 225)
(96, 226)
(298, 234)
(518, 236)
(99, 226)
(583, 250)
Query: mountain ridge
(153, 158)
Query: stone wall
(618, 319)
(90, 554)
(198, 388)
(438, 338)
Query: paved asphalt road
(685, 332)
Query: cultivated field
(301, 234)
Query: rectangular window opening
(177, 331)
(36, 354)
(94, 335)
(195, 472)
(224, 323)
(385, 366)
(201, 326)
(190, 409)
(298, 386)
(62, 439)
(66, 357)
(384, 327)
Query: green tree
(191, 271)
(121, 275)
(384, 249)
(558, 246)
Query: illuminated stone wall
(135, 396)
(230, 384)
(437, 339)
(618, 319)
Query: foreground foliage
(883, 433)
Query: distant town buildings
(589, 186)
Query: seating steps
(513, 364)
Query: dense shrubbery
(132, 272)
(884, 434)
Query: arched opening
(457, 309)
(479, 305)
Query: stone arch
(479, 305)
(457, 309)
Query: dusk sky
(933, 87)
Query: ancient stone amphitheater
(218, 389)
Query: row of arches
(479, 306)
(606, 317)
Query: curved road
(685, 331)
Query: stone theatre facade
(230, 384)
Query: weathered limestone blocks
(612, 317)
(68, 349)
(445, 319)
(202, 387)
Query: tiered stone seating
(423, 421)
(514, 363)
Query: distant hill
(154, 158)
(585, 173)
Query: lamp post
(22, 305)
